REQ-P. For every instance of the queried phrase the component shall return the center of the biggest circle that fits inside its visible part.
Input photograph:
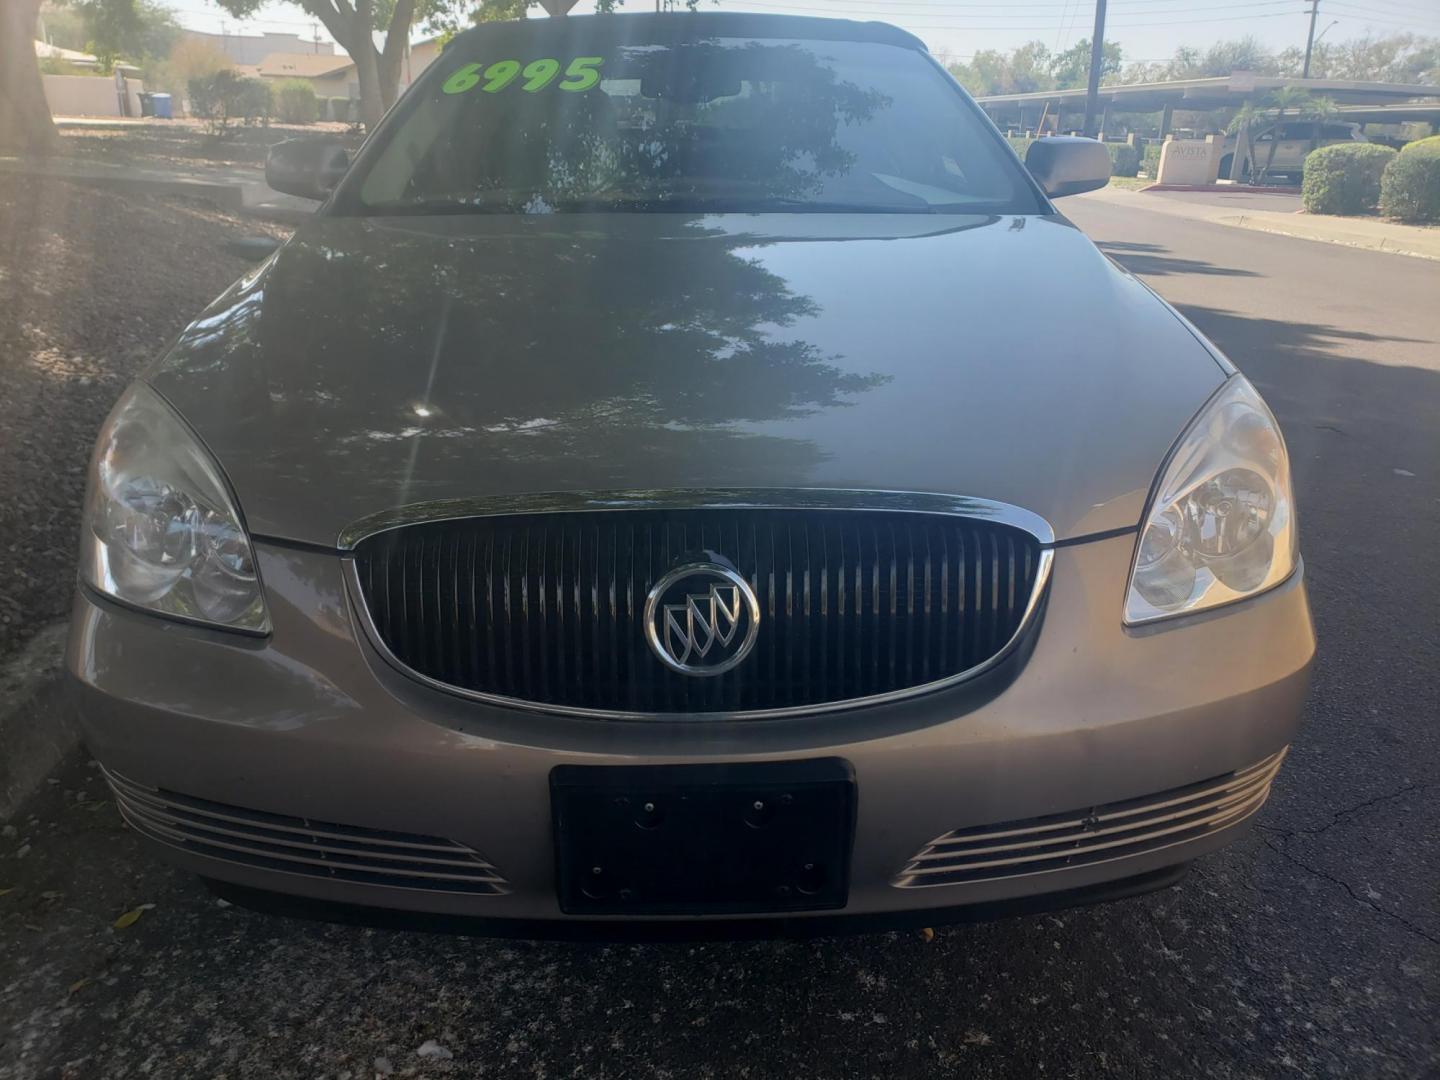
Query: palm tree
(1283, 99)
(1294, 100)
(1248, 116)
(1322, 110)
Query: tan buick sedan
(688, 473)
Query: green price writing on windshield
(582, 74)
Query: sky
(1147, 30)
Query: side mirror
(309, 168)
(251, 248)
(1068, 164)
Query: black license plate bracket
(703, 839)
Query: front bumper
(311, 724)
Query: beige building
(331, 76)
(248, 50)
(421, 55)
(334, 76)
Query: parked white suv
(1296, 138)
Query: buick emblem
(701, 619)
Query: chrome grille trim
(1102, 834)
(326, 850)
(562, 502)
(562, 603)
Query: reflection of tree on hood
(541, 343)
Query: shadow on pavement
(1155, 260)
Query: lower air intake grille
(549, 608)
(301, 846)
(1096, 835)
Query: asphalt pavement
(1309, 949)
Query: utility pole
(1310, 38)
(315, 36)
(1097, 61)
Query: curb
(37, 728)
(1225, 189)
(1297, 230)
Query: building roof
(301, 65)
(46, 51)
(1389, 114)
(1205, 94)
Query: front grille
(548, 608)
(301, 846)
(1095, 835)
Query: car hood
(376, 363)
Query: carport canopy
(1199, 95)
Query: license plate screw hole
(758, 814)
(811, 879)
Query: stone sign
(1189, 161)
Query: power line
(1406, 7)
(1007, 11)
(779, 5)
(1060, 30)
(1355, 14)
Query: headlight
(161, 532)
(1221, 524)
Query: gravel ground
(182, 143)
(92, 286)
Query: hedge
(295, 102)
(340, 109)
(1124, 159)
(1410, 188)
(1019, 143)
(1344, 178)
(224, 96)
(1151, 159)
(1431, 142)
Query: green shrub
(216, 98)
(1430, 143)
(1124, 159)
(1344, 178)
(1410, 188)
(1150, 161)
(1019, 143)
(295, 102)
(253, 102)
(340, 110)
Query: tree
(25, 123)
(113, 28)
(1071, 69)
(1403, 58)
(138, 30)
(1288, 100)
(354, 23)
(1282, 101)
(1032, 67)
(63, 26)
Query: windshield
(723, 124)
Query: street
(1310, 948)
